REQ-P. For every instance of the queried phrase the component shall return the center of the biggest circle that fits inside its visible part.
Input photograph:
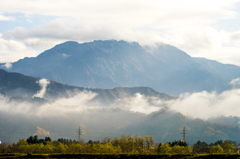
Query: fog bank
(209, 104)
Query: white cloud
(137, 14)
(203, 42)
(74, 104)
(141, 103)
(185, 24)
(209, 43)
(235, 82)
(60, 30)
(134, 12)
(8, 65)
(12, 50)
(43, 83)
(199, 40)
(205, 105)
(234, 37)
(6, 18)
(79, 101)
(13, 107)
(198, 105)
(65, 55)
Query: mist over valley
(112, 88)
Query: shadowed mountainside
(16, 84)
(164, 126)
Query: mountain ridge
(108, 64)
(17, 84)
(164, 125)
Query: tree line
(219, 146)
(125, 144)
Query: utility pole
(184, 133)
(79, 133)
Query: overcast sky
(202, 28)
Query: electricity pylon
(184, 132)
(79, 133)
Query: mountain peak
(67, 44)
(111, 63)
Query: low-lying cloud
(74, 104)
(235, 82)
(43, 83)
(80, 101)
(197, 105)
(141, 103)
(209, 104)
(7, 65)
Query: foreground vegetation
(125, 146)
(124, 156)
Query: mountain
(17, 84)
(164, 126)
(108, 64)
(167, 125)
(22, 114)
(21, 87)
(233, 120)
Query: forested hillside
(164, 126)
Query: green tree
(48, 147)
(76, 148)
(200, 147)
(165, 148)
(188, 149)
(106, 140)
(217, 149)
(228, 147)
(61, 148)
(22, 142)
(149, 141)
